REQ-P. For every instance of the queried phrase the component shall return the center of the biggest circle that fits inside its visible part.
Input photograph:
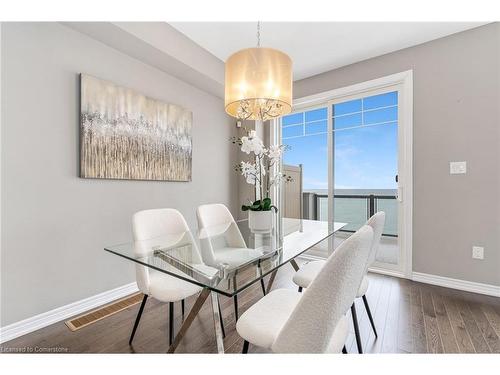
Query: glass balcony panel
(352, 211)
(390, 207)
(322, 209)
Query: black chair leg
(365, 301)
(356, 328)
(300, 289)
(235, 299)
(138, 318)
(344, 350)
(171, 323)
(262, 280)
(182, 307)
(245, 347)
(263, 286)
(220, 319)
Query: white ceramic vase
(260, 221)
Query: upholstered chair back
(217, 229)
(211, 215)
(157, 226)
(311, 325)
(377, 222)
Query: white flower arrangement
(252, 143)
(257, 171)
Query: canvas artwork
(126, 135)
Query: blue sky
(365, 143)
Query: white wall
(55, 224)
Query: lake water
(354, 211)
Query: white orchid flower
(258, 146)
(250, 179)
(246, 145)
(248, 171)
(275, 152)
(252, 143)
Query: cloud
(346, 152)
(311, 183)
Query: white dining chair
(287, 321)
(306, 274)
(151, 225)
(224, 243)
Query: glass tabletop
(226, 258)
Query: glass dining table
(189, 256)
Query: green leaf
(245, 208)
(267, 206)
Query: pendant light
(258, 83)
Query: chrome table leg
(217, 319)
(189, 319)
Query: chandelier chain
(258, 33)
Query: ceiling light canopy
(258, 83)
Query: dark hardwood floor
(410, 318)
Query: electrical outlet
(477, 252)
(458, 167)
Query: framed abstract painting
(127, 135)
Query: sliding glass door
(351, 153)
(365, 132)
(305, 134)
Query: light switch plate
(477, 252)
(458, 167)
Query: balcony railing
(353, 209)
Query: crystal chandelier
(258, 83)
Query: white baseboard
(36, 322)
(374, 269)
(448, 282)
(386, 271)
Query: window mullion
(304, 123)
(362, 111)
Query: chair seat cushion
(235, 256)
(166, 288)
(306, 274)
(262, 322)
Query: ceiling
(316, 47)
